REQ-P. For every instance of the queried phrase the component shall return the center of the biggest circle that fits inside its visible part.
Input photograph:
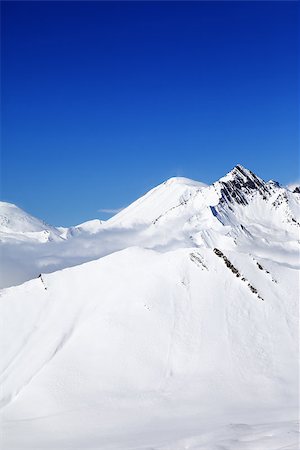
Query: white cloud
(110, 210)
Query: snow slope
(182, 335)
(167, 196)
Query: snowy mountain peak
(239, 184)
(184, 181)
(241, 175)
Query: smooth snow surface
(172, 326)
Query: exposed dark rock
(198, 260)
(227, 262)
(41, 278)
(260, 266)
(252, 288)
(264, 270)
(235, 271)
(243, 183)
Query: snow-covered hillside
(173, 325)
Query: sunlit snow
(171, 326)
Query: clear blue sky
(102, 101)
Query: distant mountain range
(233, 212)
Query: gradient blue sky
(102, 101)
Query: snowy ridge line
(182, 203)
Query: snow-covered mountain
(240, 211)
(14, 222)
(172, 325)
